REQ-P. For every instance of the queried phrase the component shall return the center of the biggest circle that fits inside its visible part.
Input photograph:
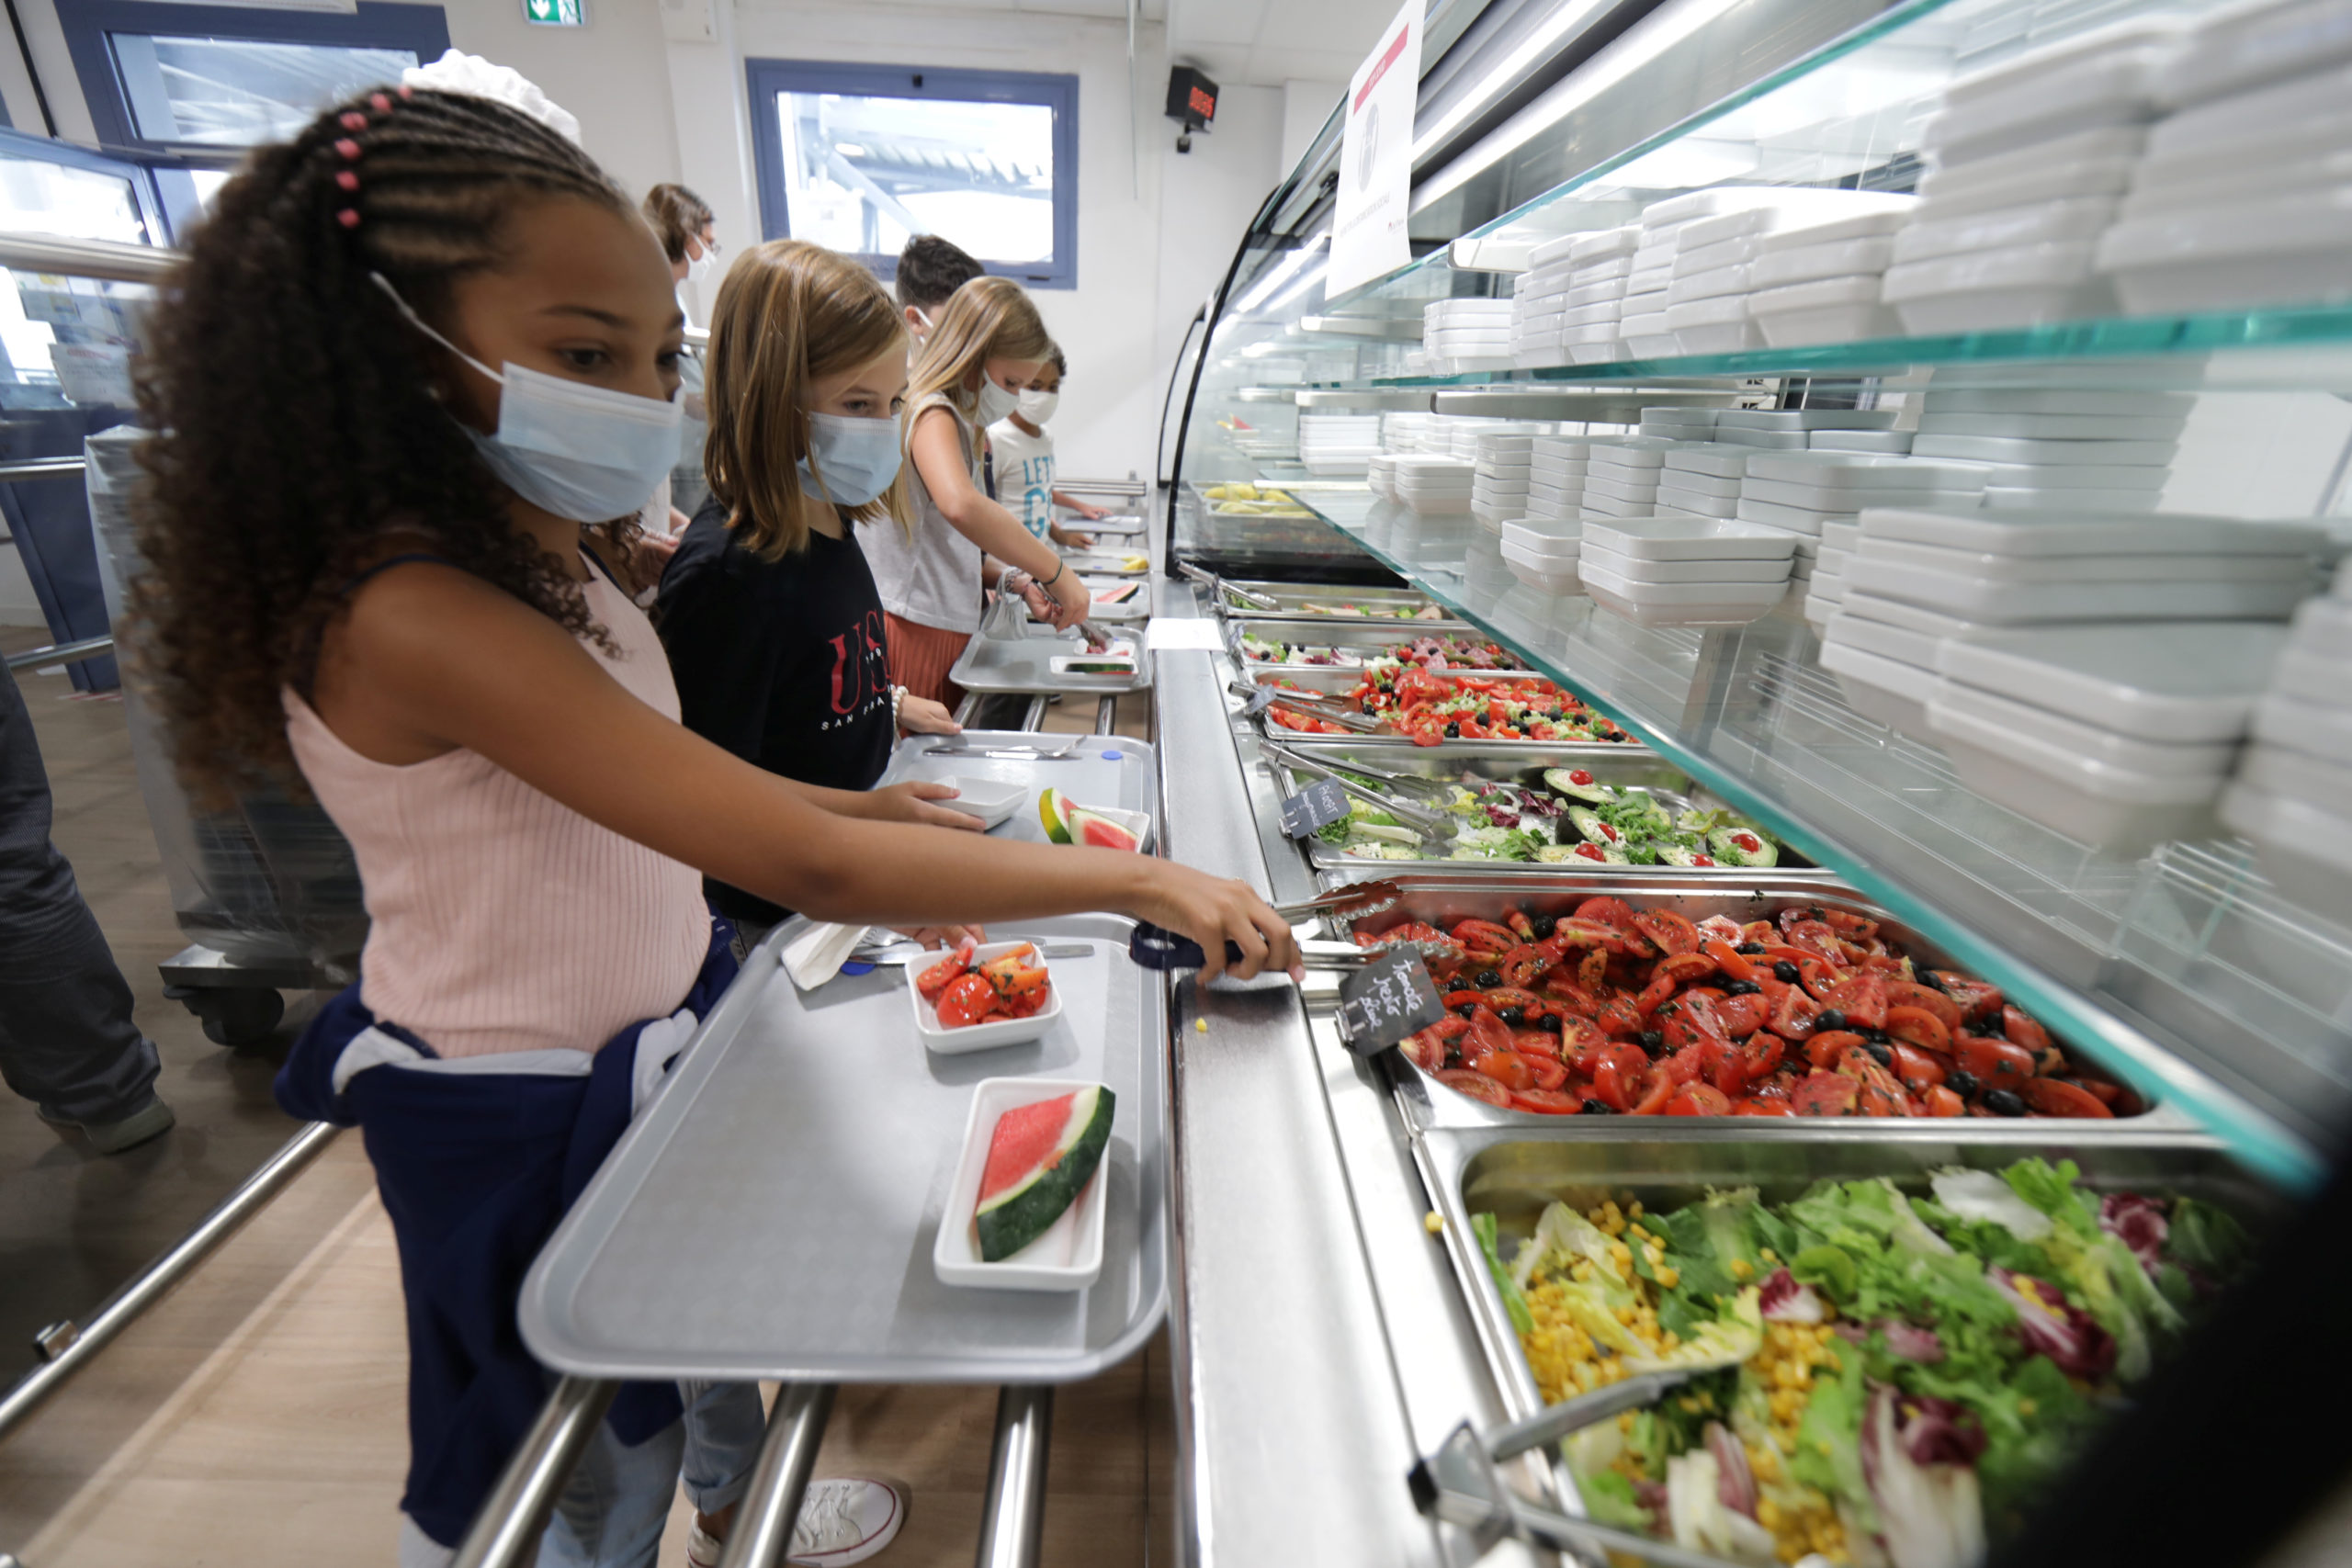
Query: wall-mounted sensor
(1192, 103)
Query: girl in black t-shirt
(773, 626)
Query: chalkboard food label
(1386, 1000)
(1318, 806)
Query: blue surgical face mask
(586, 453)
(850, 461)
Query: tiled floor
(253, 1418)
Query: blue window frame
(859, 157)
(207, 82)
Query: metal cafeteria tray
(1444, 898)
(1135, 608)
(1100, 770)
(1363, 640)
(1513, 1177)
(1292, 599)
(1331, 681)
(1107, 563)
(1022, 664)
(771, 1213)
(1639, 769)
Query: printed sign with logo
(1376, 158)
(1385, 1000)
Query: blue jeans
(612, 1511)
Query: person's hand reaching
(914, 802)
(1214, 910)
(920, 715)
(1072, 601)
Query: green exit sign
(556, 13)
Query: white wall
(612, 74)
(1306, 105)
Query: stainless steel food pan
(1339, 682)
(1292, 601)
(1364, 640)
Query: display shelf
(2183, 965)
(2299, 348)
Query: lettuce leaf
(1830, 1437)
(1483, 1227)
(1609, 1500)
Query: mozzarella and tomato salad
(1614, 1011)
(1430, 708)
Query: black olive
(1987, 1029)
(2001, 1102)
(1453, 732)
(1652, 1041)
(1543, 926)
(1742, 988)
(1875, 1036)
(1466, 1009)
(1487, 979)
(1927, 979)
(1881, 1053)
(1598, 1107)
(1785, 972)
(1962, 1083)
(1830, 1018)
(1513, 1016)
(1749, 948)
(1549, 1023)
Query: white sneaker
(845, 1520)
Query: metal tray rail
(1443, 898)
(1636, 768)
(992, 664)
(1337, 682)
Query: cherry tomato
(1477, 1085)
(1910, 993)
(1656, 1089)
(1973, 997)
(2056, 1096)
(1753, 1107)
(1525, 965)
(1761, 1056)
(2022, 1031)
(1549, 1072)
(1825, 1049)
(1548, 1102)
(1536, 1042)
(967, 999)
(1507, 1068)
(1862, 999)
(1673, 933)
(1486, 1035)
(1425, 1051)
(1793, 1012)
(1997, 1063)
(1941, 1102)
(1826, 1094)
(1699, 1099)
(936, 980)
(1880, 1094)
(1917, 1026)
(1742, 1014)
(1608, 911)
(1919, 1071)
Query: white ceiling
(1267, 42)
(1152, 10)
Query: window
(199, 79)
(861, 157)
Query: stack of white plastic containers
(1622, 475)
(1818, 496)
(2029, 160)
(1556, 467)
(1922, 578)
(1701, 480)
(1467, 335)
(1819, 281)
(1678, 423)
(1676, 571)
(2118, 735)
(2294, 791)
(2243, 197)
(1500, 477)
(2054, 446)
(1711, 286)
(1336, 446)
(1569, 297)
(1433, 484)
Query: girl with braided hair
(409, 385)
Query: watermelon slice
(1054, 810)
(1092, 827)
(1040, 1158)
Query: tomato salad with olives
(1614, 1011)
(1430, 708)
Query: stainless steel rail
(1034, 718)
(68, 1347)
(1129, 486)
(1014, 1523)
(506, 1534)
(41, 469)
(62, 652)
(1106, 715)
(762, 1531)
(112, 260)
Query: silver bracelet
(898, 698)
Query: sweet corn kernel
(1741, 1269)
(1434, 1222)
(2027, 1408)
(1200, 1024)
(1670, 1278)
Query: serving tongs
(1430, 825)
(1257, 699)
(1460, 1485)
(1219, 587)
(1157, 948)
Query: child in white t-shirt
(1025, 460)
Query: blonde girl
(984, 348)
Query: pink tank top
(501, 919)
